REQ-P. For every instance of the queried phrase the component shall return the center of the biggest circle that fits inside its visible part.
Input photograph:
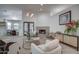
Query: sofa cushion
(42, 47)
(50, 45)
(48, 41)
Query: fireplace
(42, 31)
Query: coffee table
(27, 43)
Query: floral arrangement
(72, 26)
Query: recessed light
(32, 15)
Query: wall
(44, 19)
(55, 19)
(21, 28)
(37, 22)
(40, 20)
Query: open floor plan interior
(39, 28)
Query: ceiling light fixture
(32, 15)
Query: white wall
(44, 19)
(41, 20)
(55, 19)
(21, 28)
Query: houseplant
(72, 27)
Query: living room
(22, 25)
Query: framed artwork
(65, 18)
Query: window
(16, 26)
(9, 25)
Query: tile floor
(65, 50)
(68, 50)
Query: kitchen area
(9, 27)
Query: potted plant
(72, 27)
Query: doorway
(28, 29)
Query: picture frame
(65, 18)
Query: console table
(71, 40)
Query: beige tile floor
(65, 50)
(68, 50)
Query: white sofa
(51, 47)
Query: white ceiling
(15, 10)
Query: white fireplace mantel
(46, 28)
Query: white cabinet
(71, 40)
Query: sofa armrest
(13, 48)
(35, 49)
(56, 51)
